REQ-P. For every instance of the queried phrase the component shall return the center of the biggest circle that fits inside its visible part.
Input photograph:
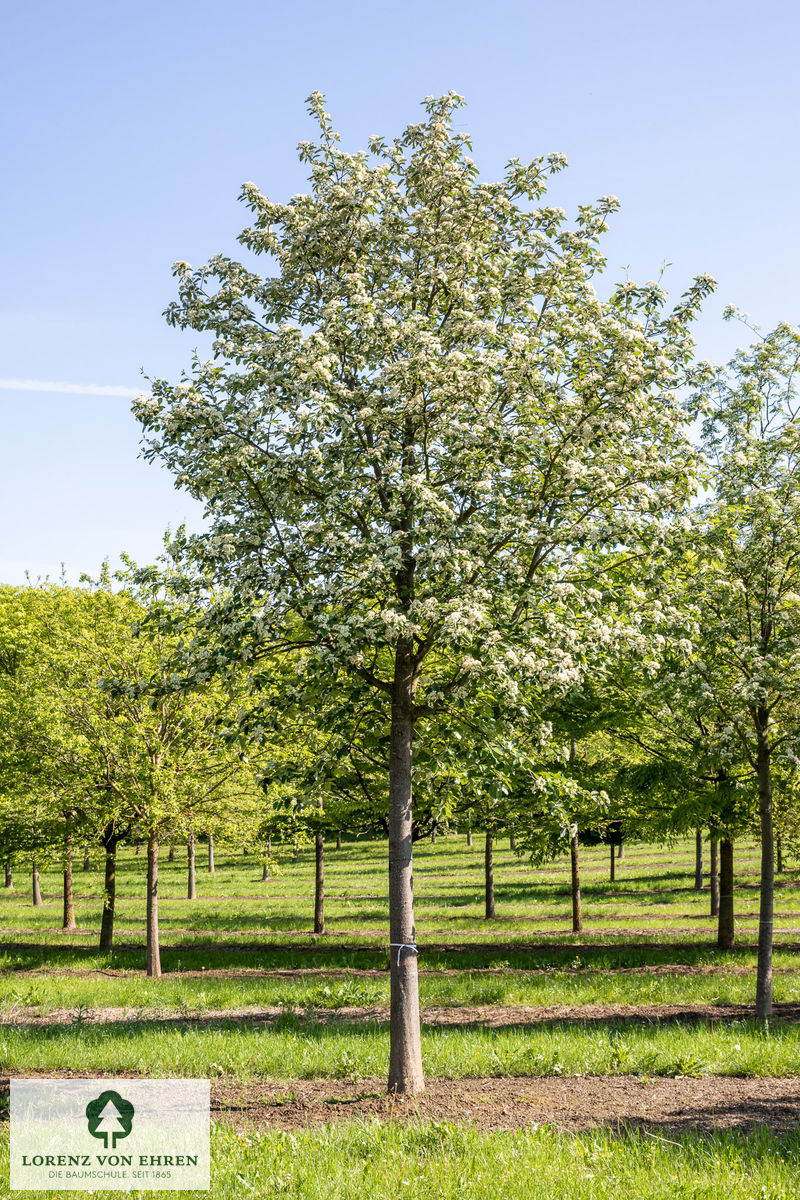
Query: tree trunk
(469, 834)
(766, 906)
(68, 923)
(512, 844)
(577, 914)
(264, 872)
(109, 896)
(211, 866)
(9, 875)
(621, 850)
(405, 1046)
(153, 947)
(725, 922)
(613, 873)
(779, 855)
(488, 872)
(698, 860)
(138, 846)
(319, 885)
(37, 893)
(191, 890)
(171, 855)
(87, 862)
(714, 872)
(338, 839)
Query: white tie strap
(401, 946)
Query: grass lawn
(250, 994)
(383, 1161)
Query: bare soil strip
(659, 1107)
(311, 973)
(298, 949)
(489, 1016)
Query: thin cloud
(73, 389)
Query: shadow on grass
(195, 955)
(306, 1017)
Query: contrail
(75, 389)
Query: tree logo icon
(109, 1117)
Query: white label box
(123, 1134)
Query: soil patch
(572, 1103)
(493, 1016)
(589, 942)
(660, 1107)
(311, 973)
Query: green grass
(650, 921)
(43, 994)
(654, 884)
(300, 1047)
(440, 1161)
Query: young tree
(37, 806)
(743, 582)
(106, 743)
(407, 436)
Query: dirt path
(488, 1016)
(312, 973)
(660, 1107)
(592, 942)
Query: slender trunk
(319, 885)
(191, 890)
(621, 850)
(138, 846)
(713, 867)
(725, 920)
(488, 871)
(469, 834)
(153, 947)
(37, 893)
(211, 866)
(109, 896)
(171, 855)
(87, 862)
(512, 845)
(577, 914)
(766, 906)
(9, 875)
(698, 860)
(295, 852)
(338, 839)
(264, 872)
(68, 923)
(613, 873)
(405, 1046)
(433, 835)
(779, 855)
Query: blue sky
(127, 130)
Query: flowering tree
(408, 435)
(742, 586)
